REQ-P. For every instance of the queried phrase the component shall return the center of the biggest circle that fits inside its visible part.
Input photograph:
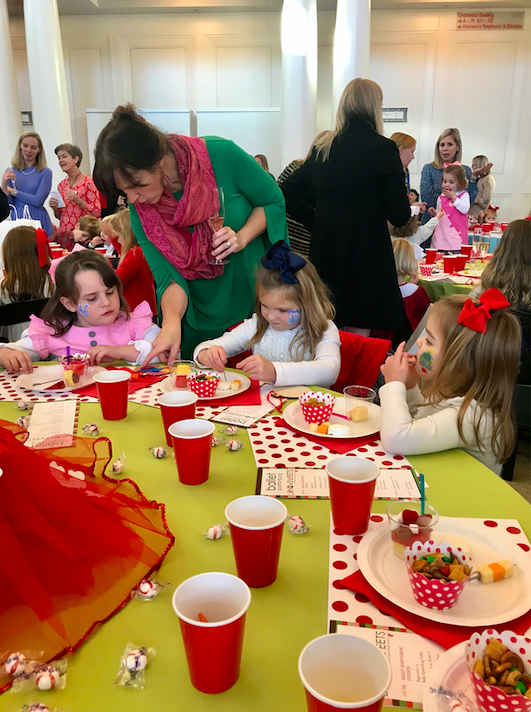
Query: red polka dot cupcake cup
(489, 698)
(426, 270)
(203, 388)
(319, 413)
(432, 593)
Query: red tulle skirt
(72, 550)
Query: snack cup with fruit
(203, 383)
(316, 407)
(74, 369)
(439, 595)
(408, 525)
(180, 370)
(507, 656)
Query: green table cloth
(436, 290)
(281, 619)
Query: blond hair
(479, 367)
(403, 140)
(480, 161)
(262, 160)
(317, 139)
(18, 161)
(90, 225)
(509, 270)
(311, 296)
(405, 262)
(454, 133)
(120, 225)
(24, 277)
(458, 172)
(361, 98)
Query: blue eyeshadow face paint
(83, 309)
(294, 316)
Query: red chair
(361, 358)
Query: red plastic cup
(56, 252)
(213, 647)
(460, 262)
(431, 253)
(343, 671)
(467, 250)
(449, 263)
(256, 527)
(503, 226)
(113, 389)
(352, 481)
(101, 250)
(175, 407)
(192, 445)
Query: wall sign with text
(398, 116)
(490, 21)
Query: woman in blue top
(448, 149)
(28, 182)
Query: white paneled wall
(477, 81)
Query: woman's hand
(53, 203)
(16, 361)
(215, 357)
(73, 196)
(10, 190)
(7, 175)
(105, 354)
(420, 206)
(483, 171)
(258, 368)
(167, 343)
(225, 242)
(432, 212)
(401, 367)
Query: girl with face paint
(86, 313)
(291, 335)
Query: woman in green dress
(172, 185)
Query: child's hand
(420, 206)
(400, 367)
(16, 361)
(215, 357)
(450, 194)
(439, 214)
(99, 354)
(258, 368)
(432, 212)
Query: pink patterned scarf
(167, 222)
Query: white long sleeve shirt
(323, 370)
(462, 202)
(410, 427)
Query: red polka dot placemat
(275, 446)
(9, 391)
(353, 607)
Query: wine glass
(216, 221)
(13, 180)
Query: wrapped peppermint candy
(23, 422)
(158, 452)
(91, 429)
(297, 525)
(118, 466)
(22, 405)
(234, 445)
(39, 676)
(230, 430)
(133, 663)
(217, 531)
(148, 589)
(217, 441)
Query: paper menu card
(312, 483)
(55, 420)
(243, 416)
(410, 655)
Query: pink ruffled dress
(81, 338)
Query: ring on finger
(228, 243)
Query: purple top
(33, 188)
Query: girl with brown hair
(291, 334)
(469, 357)
(26, 269)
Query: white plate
(47, 373)
(294, 417)
(450, 671)
(167, 386)
(479, 604)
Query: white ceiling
(133, 7)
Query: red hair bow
(455, 163)
(493, 207)
(476, 318)
(42, 246)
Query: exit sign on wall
(490, 20)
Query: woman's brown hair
(454, 133)
(311, 296)
(479, 367)
(24, 277)
(262, 160)
(509, 270)
(127, 144)
(18, 161)
(458, 172)
(120, 224)
(58, 316)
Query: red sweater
(137, 280)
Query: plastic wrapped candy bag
(451, 700)
(297, 525)
(230, 430)
(23, 405)
(217, 531)
(43, 677)
(118, 466)
(148, 589)
(158, 452)
(217, 441)
(23, 421)
(91, 429)
(234, 445)
(133, 664)
(37, 707)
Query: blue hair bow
(282, 258)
